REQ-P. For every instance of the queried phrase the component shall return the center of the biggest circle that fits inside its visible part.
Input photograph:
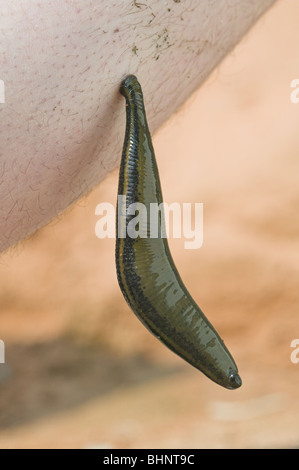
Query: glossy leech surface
(146, 272)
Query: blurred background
(82, 372)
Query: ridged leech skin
(146, 272)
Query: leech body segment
(146, 272)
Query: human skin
(63, 120)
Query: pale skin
(62, 123)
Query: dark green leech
(146, 272)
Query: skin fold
(146, 272)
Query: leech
(146, 272)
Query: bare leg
(62, 123)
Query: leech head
(130, 88)
(130, 85)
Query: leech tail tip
(235, 380)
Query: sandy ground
(82, 372)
